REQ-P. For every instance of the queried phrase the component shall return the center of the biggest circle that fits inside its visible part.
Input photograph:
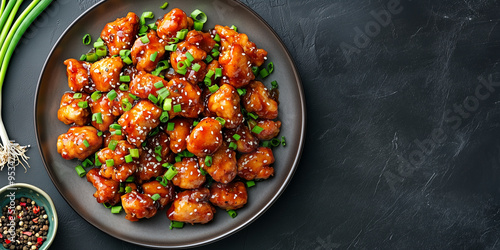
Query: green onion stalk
(11, 153)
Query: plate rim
(244, 224)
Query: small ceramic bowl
(40, 197)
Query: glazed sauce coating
(120, 34)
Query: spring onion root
(11, 153)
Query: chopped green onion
(189, 56)
(83, 57)
(275, 142)
(199, 16)
(86, 143)
(145, 39)
(250, 183)
(133, 97)
(91, 57)
(253, 116)
(209, 59)
(112, 145)
(112, 95)
(80, 171)
(232, 213)
(208, 161)
(213, 88)
(87, 39)
(209, 74)
(87, 163)
(97, 117)
(182, 65)
(162, 65)
(257, 130)
(96, 95)
(155, 197)
(128, 189)
(130, 179)
(198, 26)
(99, 133)
(126, 105)
(170, 126)
(122, 189)
(255, 70)
(217, 38)
(283, 141)
(171, 47)
(186, 153)
(196, 67)
(115, 126)
(154, 132)
(116, 209)
(233, 27)
(274, 85)
(195, 123)
(83, 105)
(125, 79)
(153, 26)
(106, 205)
(164, 6)
(167, 165)
(99, 44)
(128, 159)
(171, 172)
(202, 171)
(188, 63)
(164, 117)
(101, 52)
(159, 85)
(124, 87)
(237, 137)
(182, 71)
(241, 92)
(215, 53)
(207, 82)
(143, 30)
(270, 67)
(110, 162)
(177, 108)
(134, 152)
(163, 93)
(146, 14)
(263, 73)
(125, 53)
(153, 56)
(153, 98)
(218, 72)
(178, 158)
(176, 224)
(127, 60)
(97, 163)
(221, 120)
(233, 145)
(158, 158)
(167, 104)
(116, 132)
(181, 34)
(173, 40)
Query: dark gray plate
(154, 232)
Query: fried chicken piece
(105, 73)
(78, 73)
(256, 165)
(143, 85)
(106, 190)
(173, 21)
(70, 112)
(247, 142)
(187, 95)
(192, 206)
(120, 34)
(72, 144)
(223, 166)
(104, 107)
(167, 193)
(225, 102)
(142, 53)
(236, 67)
(138, 206)
(270, 130)
(229, 36)
(203, 40)
(180, 133)
(139, 121)
(119, 170)
(228, 196)
(258, 101)
(188, 174)
(205, 138)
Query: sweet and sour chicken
(183, 135)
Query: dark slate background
(402, 149)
